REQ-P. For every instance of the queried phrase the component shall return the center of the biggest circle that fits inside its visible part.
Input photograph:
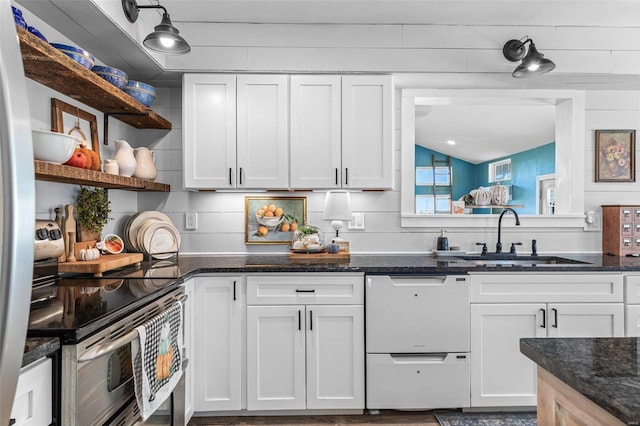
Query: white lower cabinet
(632, 305)
(533, 305)
(32, 402)
(218, 343)
(500, 374)
(302, 354)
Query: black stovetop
(73, 308)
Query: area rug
(487, 419)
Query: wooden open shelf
(47, 65)
(67, 174)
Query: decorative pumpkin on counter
(89, 253)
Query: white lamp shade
(337, 206)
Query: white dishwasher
(417, 341)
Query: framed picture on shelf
(66, 118)
(615, 154)
(272, 220)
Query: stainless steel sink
(489, 260)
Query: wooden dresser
(621, 230)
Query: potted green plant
(92, 212)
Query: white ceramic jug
(124, 157)
(145, 168)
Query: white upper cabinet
(367, 132)
(209, 130)
(236, 132)
(215, 156)
(263, 135)
(342, 132)
(316, 131)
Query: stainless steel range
(95, 318)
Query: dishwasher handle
(431, 358)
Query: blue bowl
(113, 75)
(35, 32)
(81, 56)
(142, 92)
(19, 20)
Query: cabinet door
(275, 357)
(335, 357)
(219, 304)
(189, 311)
(367, 132)
(32, 403)
(500, 374)
(315, 132)
(585, 320)
(209, 130)
(263, 132)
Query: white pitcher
(145, 168)
(124, 157)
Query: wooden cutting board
(104, 263)
(341, 257)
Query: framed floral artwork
(615, 156)
(272, 220)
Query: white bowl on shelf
(52, 146)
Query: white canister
(111, 167)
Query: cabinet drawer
(305, 289)
(418, 381)
(546, 287)
(32, 403)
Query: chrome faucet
(499, 243)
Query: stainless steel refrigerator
(17, 210)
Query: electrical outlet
(357, 221)
(593, 222)
(191, 221)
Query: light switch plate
(357, 221)
(191, 221)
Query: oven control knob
(42, 234)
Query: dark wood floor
(386, 417)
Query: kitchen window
(441, 176)
(428, 204)
(500, 171)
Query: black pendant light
(533, 62)
(166, 38)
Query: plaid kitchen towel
(157, 359)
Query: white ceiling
(484, 132)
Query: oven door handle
(113, 345)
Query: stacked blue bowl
(18, 18)
(36, 32)
(142, 92)
(81, 56)
(113, 75)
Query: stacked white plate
(151, 233)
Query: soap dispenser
(443, 242)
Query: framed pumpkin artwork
(615, 154)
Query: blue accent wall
(525, 167)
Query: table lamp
(337, 208)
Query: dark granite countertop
(605, 370)
(187, 265)
(39, 347)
